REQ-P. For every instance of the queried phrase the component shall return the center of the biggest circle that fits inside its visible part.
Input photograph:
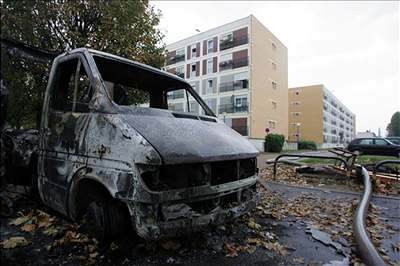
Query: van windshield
(129, 84)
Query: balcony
(232, 64)
(233, 85)
(226, 43)
(176, 59)
(230, 108)
(232, 42)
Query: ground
(301, 220)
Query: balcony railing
(230, 108)
(226, 43)
(232, 42)
(176, 59)
(231, 64)
(233, 85)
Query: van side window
(72, 90)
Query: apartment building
(240, 70)
(316, 114)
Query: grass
(362, 159)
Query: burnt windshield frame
(154, 75)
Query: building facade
(241, 71)
(316, 114)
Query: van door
(64, 129)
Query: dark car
(374, 146)
(394, 140)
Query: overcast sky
(351, 47)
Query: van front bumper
(171, 213)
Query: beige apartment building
(240, 69)
(316, 114)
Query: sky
(352, 48)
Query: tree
(393, 127)
(125, 28)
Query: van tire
(104, 218)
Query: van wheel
(105, 218)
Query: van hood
(185, 138)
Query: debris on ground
(326, 177)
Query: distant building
(240, 69)
(316, 114)
(366, 134)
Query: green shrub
(306, 145)
(274, 142)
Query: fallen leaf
(52, 231)
(253, 225)
(169, 244)
(231, 251)
(93, 255)
(22, 219)
(15, 241)
(28, 228)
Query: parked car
(374, 146)
(395, 140)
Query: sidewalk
(265, 156)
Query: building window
(193, 70)
(180, 55)
(210, 86)
(225, 62)
(296, 113)
(237, 81)
(194, 50)
(273, 66)
(274, 105)
(274, 85)
(273, 45)
(212, 103)
(226, 41)
(210, 46)
(296, 103)
(272, 124)
(297, 93)
(240, 104)
(180, 71)
(210, 66)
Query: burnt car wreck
(114, 148)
